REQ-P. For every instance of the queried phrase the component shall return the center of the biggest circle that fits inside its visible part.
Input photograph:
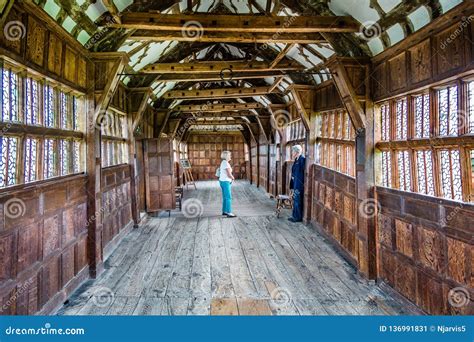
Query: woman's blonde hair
(225, 155)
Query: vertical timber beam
(347, 93)
(304, 96)
(102, 82)
(362, 116)
(93, 167)
(138, 100)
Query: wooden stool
(283, 202)
(179, 196)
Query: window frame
(24, 129)
(462, 142)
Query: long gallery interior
(114, 114)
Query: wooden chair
(284, 202)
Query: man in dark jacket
(297, 183)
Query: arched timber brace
(110, 110)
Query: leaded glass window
(424, 171)
(387, 169)
(451, 174)
(386, 127)
(422, 116)
(77, 165)
(448, 111)
(64, 110)
(470, 106)
(10, 95)
(31, 160)
(404, 169)
(32, 97)
(49, 106)
(402, 119)
(49, 158)
(8, 160)
(64, 157)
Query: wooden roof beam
(229, 37)
(237, 23)
(216, 114)
(281, 55)
(216, 77)
(193, 108)
(224, 67)
(217, 93)
(347, 92)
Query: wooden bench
(283, 202)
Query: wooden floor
(255, 264)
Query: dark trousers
(297, 205)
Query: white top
(224, 177)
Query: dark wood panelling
(425, 248)
(38, 244)
(53, 54)
(333, 209)
(427, 58)
(159, 173)
(116, 201)
(327, 97)
(204, 153)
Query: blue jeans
(297, 205)
(226, 197)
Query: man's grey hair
(297, 148)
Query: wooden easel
(188, 175)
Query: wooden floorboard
(207, 264)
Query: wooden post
(93, 167)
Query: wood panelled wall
(116, 205)
(61, 58)
(425, 248)
(43, 233)
(43, 250)
(204, 153)
(333, 208)
(433, 55)
(424, 244)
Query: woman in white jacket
(225, 180)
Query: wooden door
(159, 173)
